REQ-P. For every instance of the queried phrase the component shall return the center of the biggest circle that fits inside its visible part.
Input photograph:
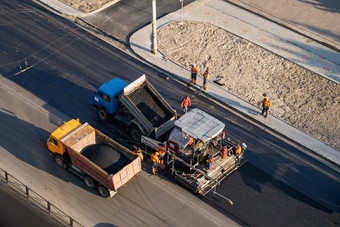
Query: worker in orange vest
(238, 150)
(266, 103)
(205, 79)
(191, 141)
(139, 152)
(155, 160)
(210, 162)
(185, 103)
(194, 72)
(161, 153)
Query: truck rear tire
(102, 114)
(103, 191)
(60, 161)
(89, 181)
(135, 133)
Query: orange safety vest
(194, 70)
(140, 154)
(224, 152)
(238, 149)
(266, 102)
(206, 75)
(191, 141)
(160, 151)
(154, 158)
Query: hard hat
(194, 64)
(156, 153)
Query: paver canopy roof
(199, 125)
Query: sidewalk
(266, 34)
(61, 7)
(269, 35)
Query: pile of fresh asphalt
(150, 106)
(107, 158)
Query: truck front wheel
(89, 181)
(135, 133)
(60, 161)
(102, 114)
(103, 191)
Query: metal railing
(37, 199)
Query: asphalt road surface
(131, 15)
(279, 185)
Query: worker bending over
(155, 160)
(139, 152)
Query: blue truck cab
(106, 99)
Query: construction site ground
(300, 97)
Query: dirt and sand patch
(300, 97)
(87, 6)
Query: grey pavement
(61, 7)
(269, 35)
(317, 19)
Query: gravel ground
(110, 160)
(300, 97)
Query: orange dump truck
(100, 161)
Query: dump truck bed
(85, 139)
(148, 107)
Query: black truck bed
(150, 106)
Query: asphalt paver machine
(198, 154)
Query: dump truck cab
(54, 141)
(54, 144)
(100, 161)
(107, 96)
(138, 106)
